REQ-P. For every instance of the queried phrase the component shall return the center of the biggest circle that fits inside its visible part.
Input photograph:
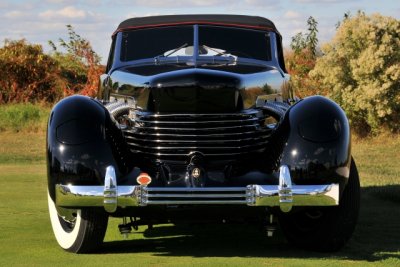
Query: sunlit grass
(22, 147)
(23, 117)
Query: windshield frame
(195, 59)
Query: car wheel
(325, 229)
(83, 232)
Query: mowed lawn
(26, 238)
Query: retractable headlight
(320, 128)
(76, 132)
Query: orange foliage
(27, 74)
(299, 66)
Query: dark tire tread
(92, 231)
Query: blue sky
(41, 20)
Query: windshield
(149, 43)
(179, 41)
(236, 42)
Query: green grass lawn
(26, 238)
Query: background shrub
(360, 70)
(27, 74)
(23, 117)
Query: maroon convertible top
(225, 20)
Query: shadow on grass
(377, 237)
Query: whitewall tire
(83, 234)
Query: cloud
(261, 3)
(61, 2)
(324, 1)
(290, 14)
(177, 3)
(135, 15)
(92, 3)
(14, 14)
(66, 12)
(201, 3)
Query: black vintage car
(196, 121)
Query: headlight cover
(77, 131)
(320, 129)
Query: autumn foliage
(361, 69)
(27, 74)
(79, 64)
(301, 59)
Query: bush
(27, 74)
(23, 117)
(360, 69)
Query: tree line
(359, 69)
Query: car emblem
(196, 172)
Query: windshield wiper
(218, 51)
(173, 51)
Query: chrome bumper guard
(111, 196)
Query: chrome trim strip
(199, 196)
(194, 202)
(195, 189)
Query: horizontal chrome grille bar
(198, 147)
(224, 141)
(245, 113)
(220, 122)
(197, 135)
(185, 154)
(220, 128)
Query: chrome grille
(170, 135)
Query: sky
(41, 20)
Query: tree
(308, 41)
(361, 70)
(80, 65)
(302, 59)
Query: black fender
(82, 140)
(318, 145)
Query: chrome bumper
(110, 196)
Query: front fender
(318, 145)
(82, 140)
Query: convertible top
(214, 19)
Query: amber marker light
(143, 179)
